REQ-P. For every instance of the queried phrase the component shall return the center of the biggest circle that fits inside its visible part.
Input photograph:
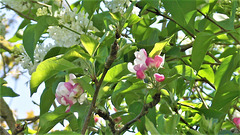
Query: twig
(200, 95)
(69, 5)
(144, 111)
(40, 3)
(110, 60)
(206, 80)
(211, 55)
(33, 119)
(207, 17)
(165, 16)
(186, 105)
(60, 25)
(182, 120)
(3, 131)
(106, 116)
(19, 13)
(236, 107)
(7, 115)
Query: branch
(200, 95)
(223, 29)
(156, 99)
(19, 13)
(7, 115)
(182, 120)
(110, 60)
(211, 55)
(106, 116)
(3, 131)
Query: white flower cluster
(19, 5)
(42, 11)
(39, 54)
(78, 22)
(117, 5)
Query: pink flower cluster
(68, 93)
(142, 62)
(236, 119)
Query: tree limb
(144, 111)
(110, 60)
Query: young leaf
(150, 127)
(7, 92)
(159, 46)
(91, 5)
(226, 69)
(47, 69)
(200, 47)
(116, 72)
(89, 44)
(50, 119)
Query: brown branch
(182, 120)
(106, 116)
(33, 119)
(3, 131)
(144, 111)
(211, 55)
(223, 29)
(19, 13)
(7, 115)
(110, 60)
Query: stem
(106, 116)
(200, 95)
(69, 5)
(207, 17)
(7, 115)
(144, 111)
(60, 25)
(19, 13)
(110, 60)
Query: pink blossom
(159, 77)
(139, 64)
(236, 119)
(157, 62)
(68, 93)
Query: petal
(140, 74)
(130, 67)
(71, 77)
(158, 61)
(68, 85)
(236, 121)
(61, 89)
(159, 77)
(68, 109)
(82, 98)
(150, 62)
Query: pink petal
(140, 74)
(150, 62)
(71, 77)
(159, 77)
(68, 85)
(158, 61)
(68, 108)
(236, 121)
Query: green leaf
(200, 47)
(207, 72)
(226, 69)
(184, 70)
(225, 95)
(116, 16)
(150, 126)
(181, 11)
(33, 32)
(46, 100)
(47, 69)
(91, 5)
(73, 123)
(133, 19)
(116, 72)
(159, 46)
(89, 44)
(84, 83)
(62, 133)
(50, 119)
(7, 92)
(124, 88)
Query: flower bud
(159, 77)
(236, 119)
